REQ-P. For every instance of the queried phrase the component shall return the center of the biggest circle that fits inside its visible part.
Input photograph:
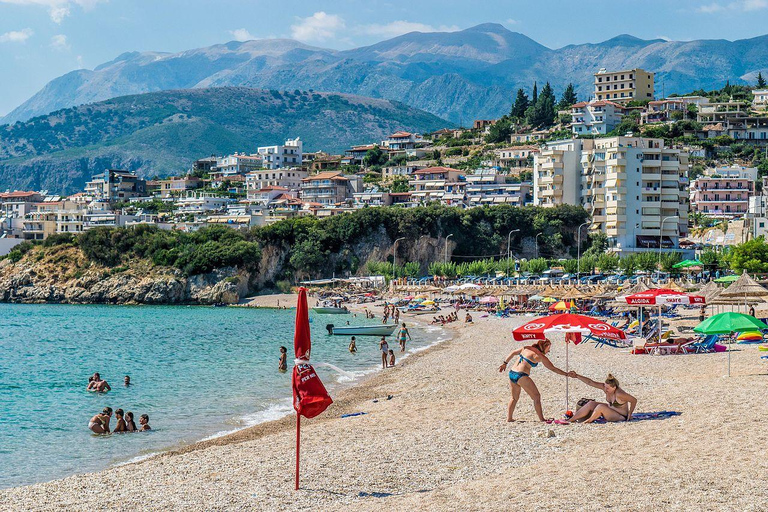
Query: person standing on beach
(402, 336)
(283, 364)
(519, 377)
(384, 347)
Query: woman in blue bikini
(519, 376)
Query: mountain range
(459, 76)
(163, 132)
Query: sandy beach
(442, 442)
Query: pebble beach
(442, 442)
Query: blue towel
(353, 414)
(640, 416)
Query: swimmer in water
(283, 364)
(353, 345)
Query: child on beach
(391, 358)
(283, 364)
(144, 422)
(402, 336)
(130, 426)
(352, 345)
(384, 347)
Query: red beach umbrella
(567, 323)
(573, 326)
(661, 296)
(309, 395)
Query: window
(622, 77)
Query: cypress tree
(521, 105)
(760, 80)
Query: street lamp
(445, 256)
(394, 257)
(536, 241)
(661, 232)
(578, 250)
(509, 240)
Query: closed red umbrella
(309, 395)
(573, 326)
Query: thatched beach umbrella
(744, 290)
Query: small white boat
(364, 330)
(331, 311)
(421, 311)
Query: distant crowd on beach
(100, 423)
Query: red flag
(302, 341)
(309, 395)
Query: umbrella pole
(567, 382)
(298, 446)
(729, 359)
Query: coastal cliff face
(65, 276)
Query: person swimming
(98, 384)
(127, 381)
(130, 426)
(283, 364)
(144, 422)
(99, 424)
(120, 426)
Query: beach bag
(309, 395)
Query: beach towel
(641, 416)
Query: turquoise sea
(197, 371)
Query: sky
(43, 39)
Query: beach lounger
(704, 346)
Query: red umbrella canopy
(302, 341)
(567, 323)
(659, 296)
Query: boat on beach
(331, 311)
(364, 330)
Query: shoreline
(442, 442)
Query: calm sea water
(197, 371)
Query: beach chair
(705, 346)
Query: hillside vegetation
(162, 133)
(309, 247)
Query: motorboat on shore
(362, 330)
(331, 310)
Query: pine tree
(520, 106)
(761, 81)
(569, 98)
(535, 95)
(543, 112)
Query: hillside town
(613, 154)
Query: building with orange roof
(288, 178)
(442, 184)
(330, 187)
(401, 140)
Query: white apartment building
(285, 155)
(488, 187)
(516, 157)
(596, 117)
(402, 140)
(760, 99)
(442, 184)
(634, 188)
(236, 164)
(200, 203)
(288, 178)
(624, 86)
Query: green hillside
(163, 132)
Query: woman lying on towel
(619, 406)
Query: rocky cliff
(63, 275)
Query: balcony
(551, 165)
(616, 162)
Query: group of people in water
(99, 424)
(618, 406)
(390, 311)
(451, 317)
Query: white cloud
(318, 27)
(737, 5)
(400, 27)
(242, 34)
(511, 21)
(16, 36)
(59, 42)
(80, 62)
(57, 9)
